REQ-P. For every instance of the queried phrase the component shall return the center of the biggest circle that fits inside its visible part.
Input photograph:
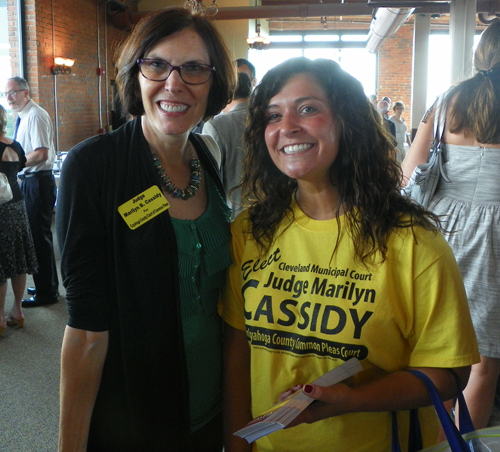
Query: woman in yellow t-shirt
(330, 262)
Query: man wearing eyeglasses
(35, 133)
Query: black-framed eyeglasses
(12, 92)
(160, 70)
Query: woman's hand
(329, 401)
(396, 391)
(289, 392)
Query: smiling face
(302, 133)
(173, 107)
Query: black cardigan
(126, 282)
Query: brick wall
(80, 103)
(13, 35)
(395, 68)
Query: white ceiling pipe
(385, 24)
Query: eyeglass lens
(191, 73)
(12, 93)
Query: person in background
(144, 233)
(35, 134)
(383, 108)
(470, 204)
(227, 131)
(388, 100)
(373, 99)
(17, 253)
(401, 129)
(331, 262)
(243, 65)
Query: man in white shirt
(227, 130)
(35, 133)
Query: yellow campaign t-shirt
(307, 308)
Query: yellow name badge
(143, 207)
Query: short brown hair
(158, 25)
(398, 104)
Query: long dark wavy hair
(476, 101)
(367, 178)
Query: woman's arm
(419, 150)
(395, 392)
(237, 398)
(82, 361)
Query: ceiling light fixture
(197, 6)
(258, 42)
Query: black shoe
(35, 301)
(31, 290)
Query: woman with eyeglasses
(401, 129)
(144, 234)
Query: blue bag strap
(415, 435)
(455, 440)
(395, 446)
(465, 424)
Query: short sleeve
(443, 332)
(231, 307)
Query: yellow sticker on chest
(143, 207)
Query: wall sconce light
(258, 42)
(62, 66)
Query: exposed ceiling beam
(127, 19)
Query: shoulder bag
(5, 189)
(425, 177)
(465, 439)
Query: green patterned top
(204, 256)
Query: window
(10, 43)
(353, 58)
(439, 65)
